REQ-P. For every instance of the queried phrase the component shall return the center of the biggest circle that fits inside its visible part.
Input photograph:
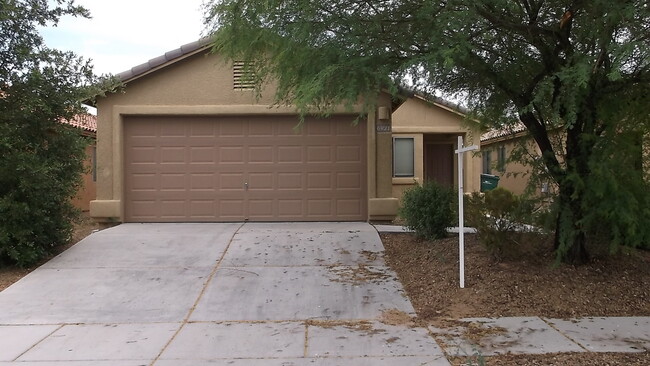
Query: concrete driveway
(214, 294)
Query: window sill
(406, 180)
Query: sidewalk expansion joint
(205, 286)
(565, 336)
(39, 342)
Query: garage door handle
(246, 186)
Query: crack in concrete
(205, 286)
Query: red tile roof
(86, 122)
(509, 131)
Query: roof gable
(164, 60)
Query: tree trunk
(570, 235)
(570, 238)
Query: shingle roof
(86, 122)
(168, 57)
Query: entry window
(403, 157)
(487, 162)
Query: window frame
(412, 160)
(487, 161)
(501, 158)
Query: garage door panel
(231, 154)
(231, 210)
(261, 209)
(319, 154)
(289, 181)
(290, 154)
(348, 207)
(261, 154)
(290, 208)
(320, 208)
(236, 168)
(202, 182)
(171, 130)
(348, 154)
(232, 128)
(202, 155)
(319, 181)
(231, 182)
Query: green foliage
(580, 68)
(500, 218)
(617, 198)
(427, 209)
(42, 159)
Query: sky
(126, 33)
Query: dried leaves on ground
(527, 285)
(559, 359)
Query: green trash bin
(489, 182)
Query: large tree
(578, 67)
(41, 159)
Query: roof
(163, 60)
(510, 131)
(86, 122)
(437, 101)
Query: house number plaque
(383, 128)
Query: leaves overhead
(580, 69)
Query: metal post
(461, 214)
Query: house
(87, 125)
(425, 132)
(189, 141)
(497, 148)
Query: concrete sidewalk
(254, 294)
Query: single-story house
(87, 125)
(188, 141)
(496, 149)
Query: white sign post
(461, 214)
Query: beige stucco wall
(515, 176)
(416, 118)
(202, 84)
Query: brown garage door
(190, 169)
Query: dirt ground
(526, 285)
(9, 275)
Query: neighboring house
(188, 141)
(87, 124)
(496, 150)
(425, 136)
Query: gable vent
(242, 76)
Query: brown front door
(439, 163)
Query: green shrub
(500, 217)
(38, 177)
(427, 210)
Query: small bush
(501, 218)
(427, 210)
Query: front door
(439, 163)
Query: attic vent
(242, 76)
